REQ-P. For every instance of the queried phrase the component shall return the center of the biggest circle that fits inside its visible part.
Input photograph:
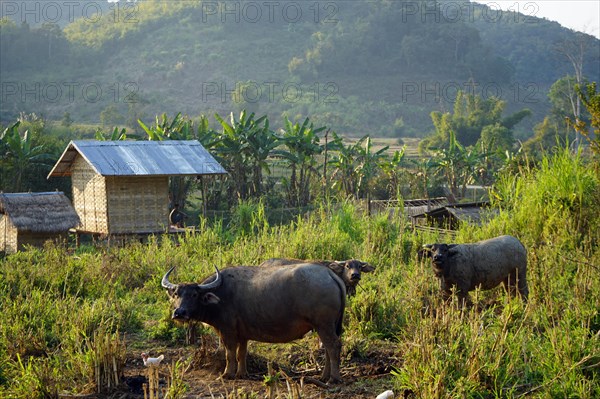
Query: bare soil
(295, 372)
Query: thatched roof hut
(122, 187)
(33, 218)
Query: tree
(574, 50)
(111, 116)
(344, 165)
(66, 120)
(115, 135)
(261, 142)
(179, 128)
(369, 162)
(355, 165)
(420, 181)
(245, 143)
(458, 164)
(471, 114)
(591, 100)
(554, 129)
(302, 146)
(565, 101)
(392, 169)
(546, 134)
(496, 138)
(20, 154)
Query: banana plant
(179, 128)
(458, 164)
(21, 154)
(116, 135)
(393, 169)
(301, 148)
(245, 143)
(369, 162)
(355, 165)
(344, 163)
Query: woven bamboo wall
(8, 235)
(12, 240)
(119, 204)
(89, 197)
(38, 239)
(137, 204)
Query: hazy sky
(580, 15)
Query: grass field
(69, 314)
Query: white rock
(389, 394)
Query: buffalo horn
(165, 281)
(212, 284)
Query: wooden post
(325, 166)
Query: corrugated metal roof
(419, 207)
(140, 158)
(474, 212)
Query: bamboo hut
(122, 187)
(34, 218)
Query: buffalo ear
(366, 268)
(210, 299)
(337, 267)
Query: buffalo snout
(180, 314)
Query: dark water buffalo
(268, 305)
(483, 264)
(348, 270)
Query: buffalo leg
(333, 348)
(446, 290)
(464, 299)
(230, 358)
(522, 284)
(242, 350)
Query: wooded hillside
(376, 67)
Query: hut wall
(8, 235)
(137, 204)
(38, 239)
(89, 197)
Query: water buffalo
(483, 264)
(348, 270)
(268, 305)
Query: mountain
(377, 67)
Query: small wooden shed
(34, 218)
(122, 187)
(450, 216)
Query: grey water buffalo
(484, 264)
(348, 270)
(275, 305)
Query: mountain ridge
(373, 68)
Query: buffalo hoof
(330, 380)
(228, 376)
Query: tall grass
(56, 303)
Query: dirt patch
(296, 369)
